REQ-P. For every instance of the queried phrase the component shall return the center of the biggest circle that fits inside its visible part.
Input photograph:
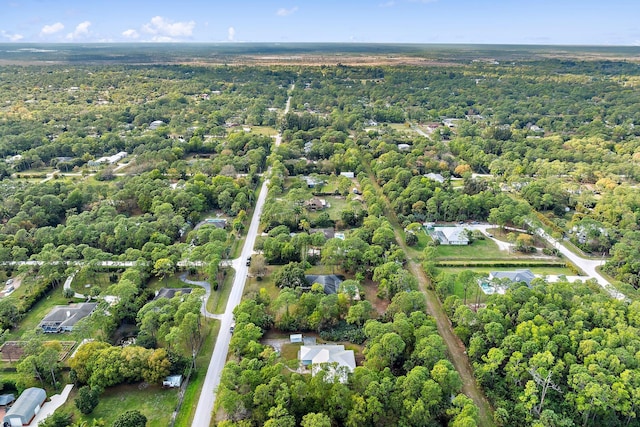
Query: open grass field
(218, 300)
(480, 249)
(192, 393)
(264, 130)
(253, 285)
(154, 402)
(84, 281)
(39, 311)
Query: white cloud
(231, 34)
(11, 37)
(165, 29)
(130, 34)
(286, 12)
(52, 29)
(82, 30)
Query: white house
(450, 235)
(434, 177)
(339, 361)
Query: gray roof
(515, 276)
(330, 282)
(68, 315)
(171, 292)
(5, 399)
(26, 405)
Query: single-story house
(330, 282)
(312, 182)
(317, 355)
(25, 408)
(171, 292)
(62, 318)
(172, 381)
(329, 233)
(434, 177)
(217, 222)
(295, 338)
(404, 147)
(156, 124)
(315, 204)
(514, 276)
(450, 235)
(6, 399)
(348, 174)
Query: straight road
(203, 415)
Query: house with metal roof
(25, 407)
(450, 235)
(6, 399)
(62, 318)
(339, 361)
(330, 282)
(515, 276)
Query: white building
(450, 235)
(339, 361)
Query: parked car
(249, 260)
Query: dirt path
(455, 347)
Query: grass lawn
(172, 281)
(473, 292)
(338, 204)
(264, 130)
(290, 351)
(192, 393)
(39, 311)
(218, 300)
(156, 403)
(546, 270)
(480, 249)
(100, 280)
(253, 285)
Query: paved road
(589, 266)
(203, 415)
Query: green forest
(120, 177)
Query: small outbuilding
(25, 407)
(6, 399)
(172, 381)
(295, 338)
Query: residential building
(62, 318)
(434, 177)
(450, 235)
(171, 292)
(514, 276)
(339, 361)
(330, 282)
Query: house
(348, 174)
(25, 408)
(434, 177)
(295, 338)
(171, 292)
(340, 361)
(172, 381)
(329, 233)
(156, 124)
(315, 204)
(312, 182)
(217, 222)
(515, 276)
(108, 159)
(330, 282)
(450, 235)
(404, 147)
(62, 318)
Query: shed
(172, 381)
(6, 399)
(25, 408)
(294, 338)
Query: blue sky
(584, 22)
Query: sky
(564, 22)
